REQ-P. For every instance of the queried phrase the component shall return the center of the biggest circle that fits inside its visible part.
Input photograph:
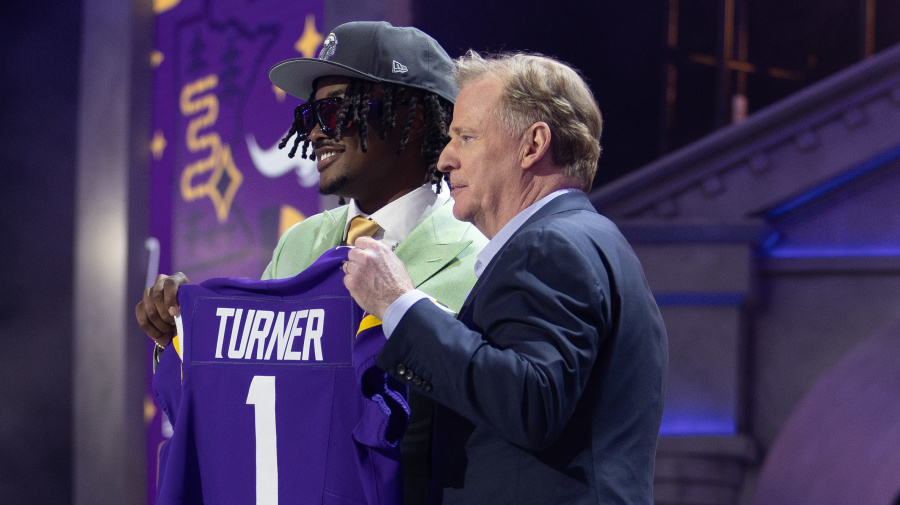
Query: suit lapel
(331, 232)
(432, 244)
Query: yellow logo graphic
(224, 178)
(311, 38)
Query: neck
(406, 173)
(373, 203)
(530, 191)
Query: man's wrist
(398, 309)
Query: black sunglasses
(323, 112)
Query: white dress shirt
(398, 218)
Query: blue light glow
(842, 180)
(695, 424)
(833, 252)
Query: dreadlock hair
(355, 107)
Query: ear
(535, 144)
(417, 128)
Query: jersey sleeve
(383, 422)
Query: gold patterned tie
(360, 226)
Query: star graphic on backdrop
(156, 58)
(310, 40)
(158, 144)
(279, 93)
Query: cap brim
(296, 76)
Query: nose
(448, 160)
(316, 135)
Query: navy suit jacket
(550, 384)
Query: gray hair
(539, 88)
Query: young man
(550, 384)
(379, 103)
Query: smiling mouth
(323, 157)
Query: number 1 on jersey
(262, 397)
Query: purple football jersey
(276, 398)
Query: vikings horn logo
(328, 47)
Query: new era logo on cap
(399, 68)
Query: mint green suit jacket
(439, 253)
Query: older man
(549, 386)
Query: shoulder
(570, 222)
(315, 223)
(305, 241)
(570, 238)
(573, 240)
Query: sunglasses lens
(327, 111)
(324, 113)
(308, 119)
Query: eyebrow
(337, 93)
(459, 130)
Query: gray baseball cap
(375, 51)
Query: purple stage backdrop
(221, 190)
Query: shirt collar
(502, 237)
(398, 218)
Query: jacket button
(426, 386)
(409, 374)
(401, 370)
(417, 380)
